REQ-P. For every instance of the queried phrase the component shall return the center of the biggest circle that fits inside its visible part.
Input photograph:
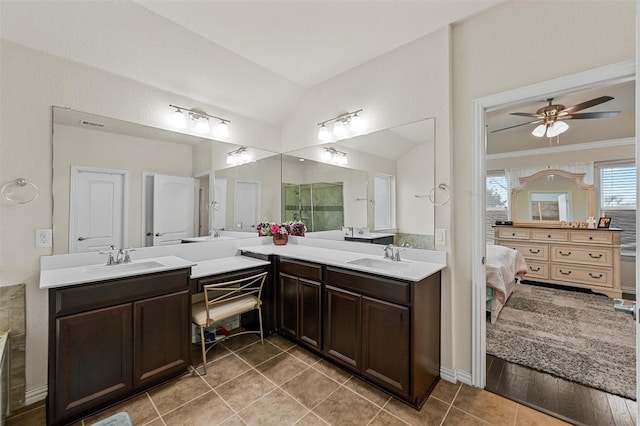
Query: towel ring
(442, 186)
(19, 183)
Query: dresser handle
(534, 252)
(596, 277)
(513, 234)
(591, 238)
(565, 273)
(564, 254)
(548, 236)
(595, 257)
(534, 269)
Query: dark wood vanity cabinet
(112, 339)
(300, 294)
(385, 330)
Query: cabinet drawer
(531, 251)
(106, 293)
(513, 234)
(550, 235)
(602, 277)
(301, 269)
(389, 290)
(601, 237)
(538, 270)
(586, 255)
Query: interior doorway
(564, 85)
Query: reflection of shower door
(219, 203)
(173, 209)
(246, 205)
(98, 213)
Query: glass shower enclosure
(319, 205)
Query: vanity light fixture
(238, 156)
(332, 155)
(201, 119)
(342, 125)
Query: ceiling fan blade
(517, 125)
(585, 115)
(525, 114)
(587, 104)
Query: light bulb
(230, 159)
(356, 125)
(326, 155)
(323, 133)
(343, 160)
(539, 131)
(178, 120)
(202, 126)
(338, 129)
(244, 157)
(560, 127)
(222, 130)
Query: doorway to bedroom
(553, 338)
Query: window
(618, 200)
(383, 193)
(497, 201)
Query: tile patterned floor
(282, 384)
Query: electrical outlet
(43, 237)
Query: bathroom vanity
(111, 338)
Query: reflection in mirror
(245, 193)
(393, 166)
(110, 176)
(553, 195)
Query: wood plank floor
(569, 401)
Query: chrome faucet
(392, 252)
(347, 230)
(122, 255)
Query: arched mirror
(553, 196)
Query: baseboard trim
(456, 375)
(35, 395)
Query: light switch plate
(441, 237)
(43, 237)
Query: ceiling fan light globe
(539, 131)
(560, 127)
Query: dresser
(585, 258)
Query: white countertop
(409, 270)
(225, 264)
(93, 273)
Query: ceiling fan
(553, 116)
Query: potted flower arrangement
(279, 231)
(298, 228)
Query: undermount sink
(388, 265)
(123, 267)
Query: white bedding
(503, 266)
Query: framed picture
(604, 222)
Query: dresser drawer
(513, 234)
(550, 235)
(592, 237)
(579, 254)
(539, 270)
(593, 276)
(530, 250)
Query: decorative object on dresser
(570, 334)
(585, 258)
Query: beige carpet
(576, 336)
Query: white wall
(504, 48)
(31, 83)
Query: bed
(505, 266)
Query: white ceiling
(254, 58)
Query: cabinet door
(288, 306)
(161, 337)
(385, 344)
(93, 359)
(309, 312)
(342, 327)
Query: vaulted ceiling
(254, 58)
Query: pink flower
(274, 229)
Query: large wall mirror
(552, 196)
(381, 187)
(130, 185)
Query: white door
(246, 205)
(220, 203)
(173, 209)
(98, 209)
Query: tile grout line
(153, 404)
(451, 404)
